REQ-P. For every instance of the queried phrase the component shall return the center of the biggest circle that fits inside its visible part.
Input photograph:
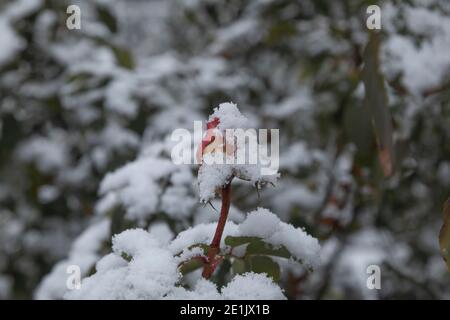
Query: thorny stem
(214, 247)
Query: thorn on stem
(209, 202)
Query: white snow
(119, 96)
(260, 223)
(202, 233)
(161, 232)
(110, 261)
(21, 8)
(48, 153)
(423, 66)
(84, 253)
(177, 203)
(152, 273)
(48, 193)
(264, 224)
(116, 137)
(229, 117)
(10, 42)
(136, 185)
(132, 242)
(212, 177)
(252, 286)
(218, 166)
(296, 157)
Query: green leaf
(107, 18)
(126, 256)
(124, 57)
(238, 241)
(190, 265)
(377, 102)
(280, 31)
(259, 247)
(223, 272)
(444, 234)
(263, 264)
(357, 127)
(238, 266)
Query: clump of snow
(264, 224)
(84, 253)
(202, 290)
(10, 42)
(106, 203)
(152, 273)
(302, 101)
(22, 8)
(229, 117)
(252, 286)
(149, 185)
(237, 155)
(110, 261)
(47, 153)
(423, 66)
(365, 248)
(136, 185)
(48, 193)
(296, 157)
(119, 97)
(190, 253)
(260, 223)
(235, 35)
(161, 232)
(211, 177)
(114, 136)
(132, 242)
(176, 202)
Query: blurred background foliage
(349, 102)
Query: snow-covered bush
(142, 266)
(81, 111)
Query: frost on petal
(231, 149)
(211, 178)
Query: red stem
(214, 247)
